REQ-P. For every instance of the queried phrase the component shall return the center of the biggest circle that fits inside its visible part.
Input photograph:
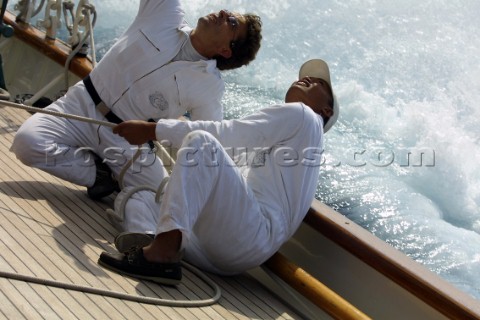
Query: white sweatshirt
(289, 138)
(138, 80)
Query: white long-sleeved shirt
(283, 173)
(138, 80)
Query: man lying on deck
(222, 217)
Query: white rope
(90, 28)
(126, 296)
(159, 192)
(56, 113)
(79, 118)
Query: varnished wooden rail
(56, 50)
(312, 289)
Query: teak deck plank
(50, 229)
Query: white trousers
(224, 230)
(63, 147)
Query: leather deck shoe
(135, 265)
(104, 184)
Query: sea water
(402, 160)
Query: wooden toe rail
(312, 289)
(56, 49)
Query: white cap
(317, 68)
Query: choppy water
(408, 80)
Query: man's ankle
(165, 248)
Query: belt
(101, 106)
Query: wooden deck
(50, 229)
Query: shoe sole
(128, 241)
(160, 280)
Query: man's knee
(198, 138)
(22, 146)
(199, 147)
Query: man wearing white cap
(224, 217)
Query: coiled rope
(104, 292)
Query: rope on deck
(126, 296)
(103, 292)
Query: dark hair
(244, 50)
